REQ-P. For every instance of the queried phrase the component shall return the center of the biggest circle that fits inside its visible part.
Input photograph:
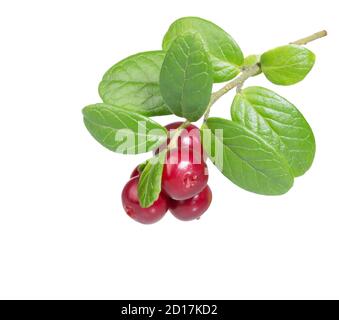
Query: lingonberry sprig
(265, 145)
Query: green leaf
(149, 186)
(121, 130)
(278, 122)
(245, 158)
(133, 84)
(186, 77)
(288, 64)
(224, 53)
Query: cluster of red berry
(184, 182)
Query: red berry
(130, 202)
(189, 138)
(135, 172)
(182, 177)
(192, 208)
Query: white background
(63, 232)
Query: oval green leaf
(245, 158)
(133, 84)
(186, 77)
(278, 122)
(123, 131)
(288, 64)
(224, 53)
(149, 186)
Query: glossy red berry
(183, 178)
(135, 172)
(130, 202)
(192, 208)
(189, 138)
